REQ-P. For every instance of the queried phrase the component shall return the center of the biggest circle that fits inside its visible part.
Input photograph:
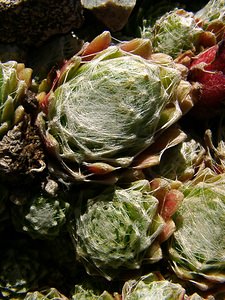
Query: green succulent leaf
(14, 81)
(181, 162)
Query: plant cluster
(112, 166)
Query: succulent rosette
(196, 249)
(110, 187)
(182, 161)
(48, 294)
(15, 79)
(152, 287)
(174, 33)
(83, 292)
(41, 217)
(21, 269)
(122, 228)
(211, 17)
(101, 113)
(213, 10)
(179, 32)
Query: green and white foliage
(118, 230)
(197, 247)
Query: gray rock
(32, 22)
(112, 13)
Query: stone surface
(31, 22)
(113, 13)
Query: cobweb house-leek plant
(102, 113)
(41, 217)
(120, 229)
(197, 247)
(180, 31)
(174, 32)
(152, 287)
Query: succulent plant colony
(112, 165)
